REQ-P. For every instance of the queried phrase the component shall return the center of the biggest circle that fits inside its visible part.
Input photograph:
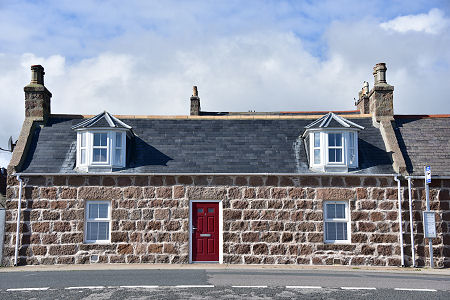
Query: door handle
(193, 228)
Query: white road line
(139, 286)
(28, 289)
(357, 288)
(415, 290)
(193, 286)
(249, 286)
(303, 287)
(84, 287)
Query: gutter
(19, 209)
(399, 196)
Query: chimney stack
(379, 100)
(37, 97)
(381, 97)
(195, 102)
(363, 99)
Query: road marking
(357, 288)
(303, 287)
(27, 289)
(84, 287)
(249, 286)
(415, 290)
(193, 286)
(139, 286)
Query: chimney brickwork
(195, 102)
(37, 97)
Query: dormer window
(101, 143)
(332, 144)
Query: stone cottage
(223, 187)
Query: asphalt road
(222, 284)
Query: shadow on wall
(143, 154)
(3, 175)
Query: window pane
(316, 139)
(200, 210)
(92, 231)
(118, 139)
(332, 155)
(331, 211)
(83, 156)
(83, 139)
(100, 139)
(330, 231)
(317, 156)
(351, 156)
(210, 210)
(338, 137)
(93, 211)
(340, 211)
(103, 210)
(340, 231)
(118, 157)
(338, 155)
(331, 139)
(99, 155)
(103, 229)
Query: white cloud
(434, 22)
(262, 66)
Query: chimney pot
(194, 91)
(365, 88)
(37, 74)
(380, 70)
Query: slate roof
(195, 145)
(424, 141)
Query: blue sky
(142, 57)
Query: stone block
(75, 180)
(63, 226)
(178, 192)
(99, 193)
(60, 250)
(164, 192)
(132, 192)
(260, 248)
(161, 214)
(155, 248)
(206, 193)
(296, 193)
(335, 194)
(124, 249)
(279, 193)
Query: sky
(143, 57)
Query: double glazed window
(333, 148)
(336, 222)
(101, 148)
(98, 221)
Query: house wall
(266, 219)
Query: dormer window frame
(111, 149)
(348, 146)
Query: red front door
(205, 231)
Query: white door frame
(220, 231)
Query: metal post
(430, 241)
(413, 249)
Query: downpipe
(399, 196)
(19, 209)
(413, 249)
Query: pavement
(44, 268)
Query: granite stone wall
(266, 219)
